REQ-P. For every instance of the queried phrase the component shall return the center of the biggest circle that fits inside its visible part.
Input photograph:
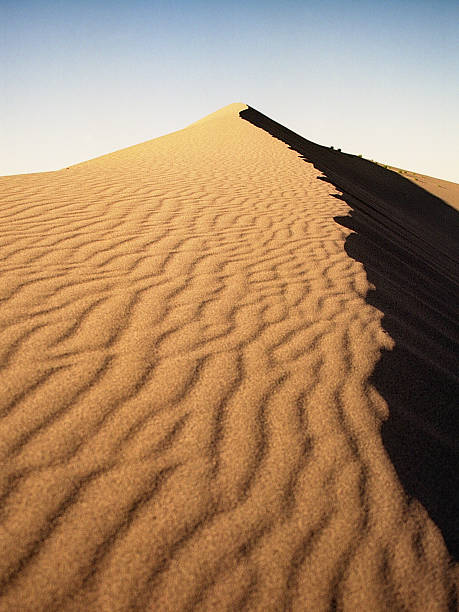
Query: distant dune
(228, 379)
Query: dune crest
(188, 413)
(231, 111)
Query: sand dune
(222, 353)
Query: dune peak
(230, 110)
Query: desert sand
(228, 379)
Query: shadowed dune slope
(407, 239)
(227, 380)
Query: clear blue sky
(82, 78)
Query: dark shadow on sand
(407, 240)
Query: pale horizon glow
(82, 79)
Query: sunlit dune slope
(209, 345)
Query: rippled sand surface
(188, 419)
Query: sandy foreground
(228, 378)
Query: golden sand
(189, 418)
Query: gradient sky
(83, 78)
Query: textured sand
(189, 418)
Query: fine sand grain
(191, 414)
